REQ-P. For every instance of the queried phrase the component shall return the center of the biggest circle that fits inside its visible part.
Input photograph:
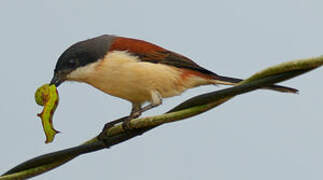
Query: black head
(81, 54)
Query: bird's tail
(232, 81)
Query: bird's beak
(57, 79)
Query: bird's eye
(71, 63)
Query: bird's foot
(109, 125)
(126, 123)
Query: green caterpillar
(47, 96)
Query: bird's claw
(126, 123)
(109, 125)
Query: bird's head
(80, 55)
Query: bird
(136, 70)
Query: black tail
(227, 80)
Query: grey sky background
(261, 135)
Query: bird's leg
(135, 111)
(156, 100)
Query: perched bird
(135, 70)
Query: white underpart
(123, 75)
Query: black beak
(57, 80)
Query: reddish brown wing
(155, 54)
(149, 52)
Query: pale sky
(260, 135)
